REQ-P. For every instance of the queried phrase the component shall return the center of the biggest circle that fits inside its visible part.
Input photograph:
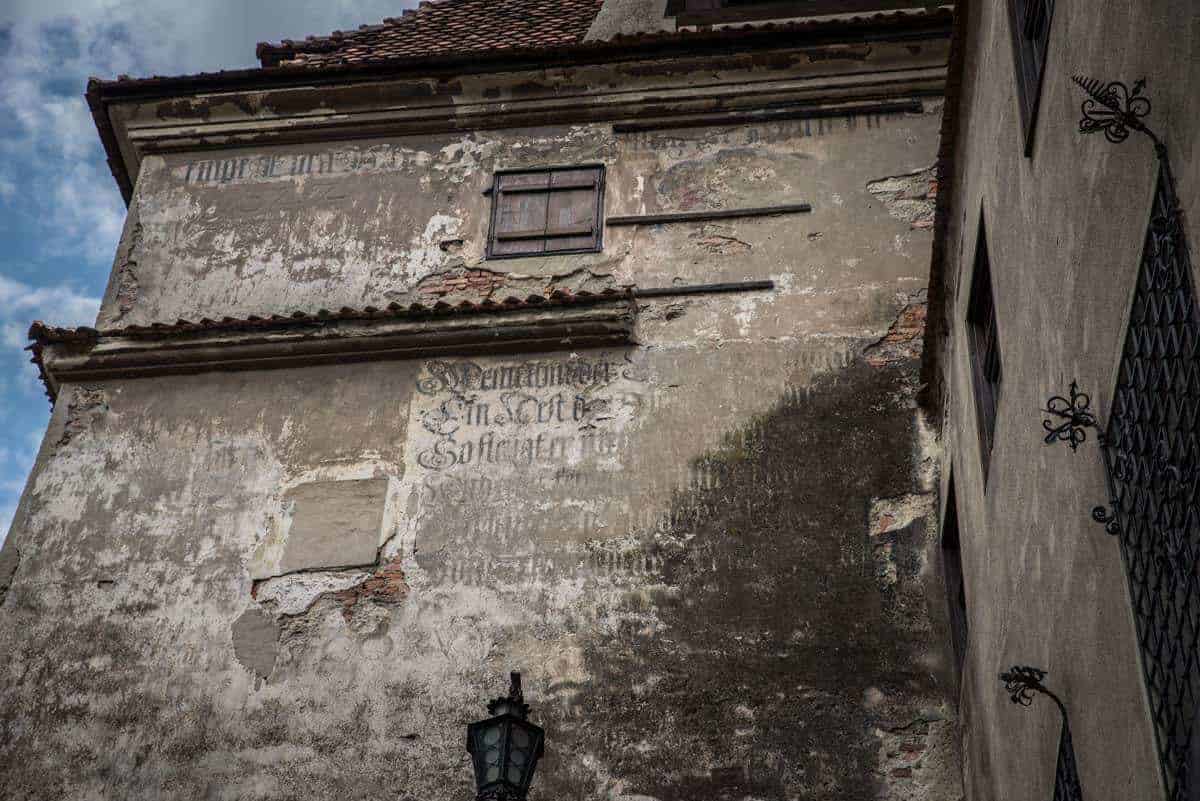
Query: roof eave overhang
(65, 356)
(102, 95)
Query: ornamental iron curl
(1111, 525)
(1076, 415)
(1113, 108)
(1022, 681)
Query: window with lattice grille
(1029, 23)
(984, 345)
(1066, 772)
(542, 212)
(1152, 454)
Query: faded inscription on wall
(517, 465)
(258, 167)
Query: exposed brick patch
(475, 282)
(904, 339)
(128, 287)
(386, 586)
(911, 197)
(85, 406)
(904, 749)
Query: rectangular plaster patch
(328, 524)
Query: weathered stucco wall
(1065, 228)
(708, 552)
(369, 223)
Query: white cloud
(21, 303)
(53, 161)
(7, 510)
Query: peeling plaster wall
(708, 552)
(373, 223)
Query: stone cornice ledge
(99, 356)
(833, 93)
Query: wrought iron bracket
(1074, 418)
(1023, 682)
(1101, 514)
(1114, 109)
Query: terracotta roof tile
(43, 334)
(443, 27)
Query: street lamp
(505, 748)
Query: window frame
(983, 346)
(954, 579)
(1029, 58)
(496, 192)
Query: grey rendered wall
(1065, 227)
(708, 552)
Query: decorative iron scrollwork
(1076, 417)
(1113, 108)
(1101, 515)
(1022, 681)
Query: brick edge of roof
(42, 334)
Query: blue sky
(60, 211)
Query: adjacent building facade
(1062, 357)
(577, 338)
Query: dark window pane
(956, 594)
(1029, 23)
(984, 346)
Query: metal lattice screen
(1066, 774)
(1152, 451)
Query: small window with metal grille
(984, 346)
(542, 212)
(1152, 456)
(1029, 23)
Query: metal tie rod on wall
(703, 289)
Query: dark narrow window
(984, 346)
(1152, 454)
(1066, 774)
(956, 593)
(537, 212)
(1029, 22)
